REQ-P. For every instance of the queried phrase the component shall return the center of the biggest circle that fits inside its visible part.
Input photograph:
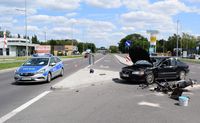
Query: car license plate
(125, 75)
(26, 78)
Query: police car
(40, 68)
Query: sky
(103, 22)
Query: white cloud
(59, 4)
(71, 14)
(167, 7)
(104, 3)
(158, 15)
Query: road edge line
(22, 107)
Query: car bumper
(132, 77)
(35, 78)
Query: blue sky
(102, 22)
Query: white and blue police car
(40, 68)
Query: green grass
(21, 58)
(10, 65)
(190, 60)
(13, 62)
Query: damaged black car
(148, 69)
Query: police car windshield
(37, 62)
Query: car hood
(136, 67)
(139, 53)
(30, 69)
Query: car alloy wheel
(182, 75)
(150, 78)
(49, 77)
(62, 72)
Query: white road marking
(193, 72)
(22, 107)
(159, 94)
(95, 62)
(149, 104)
(107, 60)
(102, 66)
(197, 86)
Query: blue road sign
(128, 43)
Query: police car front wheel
(62, 72)
(49, 77)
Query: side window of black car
(173, 62)
(166, 63)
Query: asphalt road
(13, 95)
(113, 101)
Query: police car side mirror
(52, 64)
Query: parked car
(41, 67)
(150, 69)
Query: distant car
(191, 56)
(148, 69)
(39, 68)
(197, 56)
(86, 55)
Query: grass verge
(77, 56)
(191, 60)
(18, 61)
(9, 65)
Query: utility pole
(72, 33)
(177, 40)
(45, 36)
(26, 37)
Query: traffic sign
(128, 43)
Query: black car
(149, 69)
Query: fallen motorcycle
(177, 87)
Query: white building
(16, 47)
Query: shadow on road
(28, 83)
(127, 82)
(32, 83)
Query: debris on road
(175, 89)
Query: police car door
(53, 67)
(58, 65)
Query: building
(16, 47)
(64, 50)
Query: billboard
(153, 37)
(43, 49)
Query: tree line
(186, 42)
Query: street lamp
(25, 12)
(72, 29)
(177, 40)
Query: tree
(18, 36)
(188, 42)
(34, 39)
(8, 34)
(160, 45)
(171, 43)
(81, 47)
(113, 49)
(136, 40)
